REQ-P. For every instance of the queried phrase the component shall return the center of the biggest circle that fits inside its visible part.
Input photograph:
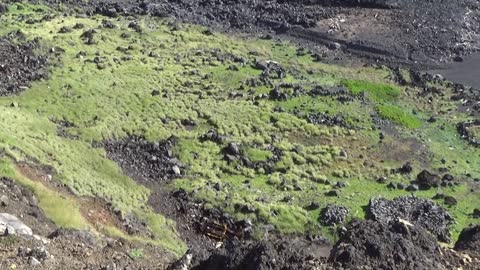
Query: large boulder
(469, 240)
(427, 180)
(11, 225)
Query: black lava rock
(427, 180)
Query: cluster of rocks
(20, 64)
(234, 153)
(213, 136)
(269, 67)
(342, 93)
(334, 214)
(425, 180)
(149, 161)
(464, 129)
(327, 120)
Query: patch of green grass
(61, 210)
(379, 92)
(256, 154)
(137, 253)
(8, 240)
(399, 115)
(26, 8)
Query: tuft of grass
(399, 116)
(256, 154)
(137, 253)
(379, 92)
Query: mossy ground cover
(106, 90)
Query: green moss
(379, 92)
(399, 115)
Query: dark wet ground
(466, 72)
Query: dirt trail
(466, 72)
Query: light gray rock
(34, 263)
(3, 200)
(11, 225)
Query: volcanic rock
(420, 212)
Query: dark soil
(19, 65)
(296, 253)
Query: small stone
(176, 170)
(79, 26)
(34, 262)
(335, 46)
(412, 187)
(312, 206)
(401, 186)
(382, 180)
(64, 30)
(248, 209)
(217, 187)
(125, 35)
(340, 185)
(392, 185)
(334, 214)
(449, 200)
(406, 168)
(432, 119)
(155, 92)
(233, 149)
(333, 193)
(4, 200)
(448, 177)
